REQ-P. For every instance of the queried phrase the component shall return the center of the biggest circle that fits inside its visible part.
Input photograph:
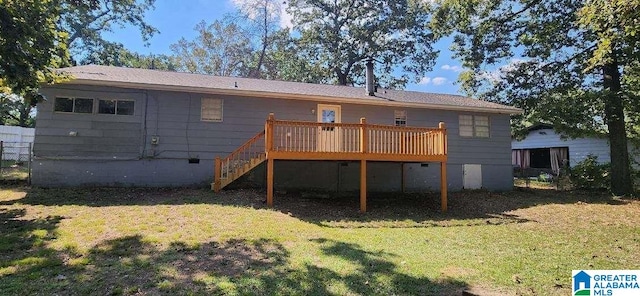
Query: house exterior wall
(117, 150)
(579, 148)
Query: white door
(472, 176)
(329, 138)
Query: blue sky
(177, 18)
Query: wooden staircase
(239, 162)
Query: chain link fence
(15, 161)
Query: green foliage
(569, 63)
(339, 35)
(589, 174)
(85, 21)
(221, 48)
(30, 45)
(116, 55)
(282, 62)
(37, 35)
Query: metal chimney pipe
(370, 79)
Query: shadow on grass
(132, 266)
(416, 210)
(466, 208)
(23, 248)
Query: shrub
(589, 174)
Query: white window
(211, 110)
(474, 126)
(400, 117)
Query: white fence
(16, 142)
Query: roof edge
(274, 95)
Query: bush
(589, 174)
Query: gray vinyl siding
(174, 117)
(98, 136)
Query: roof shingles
(155, 79)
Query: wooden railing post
(443, 137)
(217, 174)
(268, 133)
(364, 143)
(364, 137)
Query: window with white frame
(400, 117)
(474, 126)
(211, 110)
(73, 105)
(118, 107)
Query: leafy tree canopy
(221, 48)
(567, 62)
(30, 44)
(339, 34)
(86, 21)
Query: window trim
(97, 109)
(73, 105)
(202, 109)
(403, 117)
(474, 126)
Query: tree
(36, 36)
(221, 48)
(340, 34)
(282, 61)
(262, 19)
(116, 55)
(31, 48)
(566, 62)
(85, 21)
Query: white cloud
(424, 81)
(438, 80)
(435, 80)
(453, 68)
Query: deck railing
(246, 155)
(301, 140)
(292, 139)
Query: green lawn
(192, 241)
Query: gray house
(113, 126)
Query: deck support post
(268, 136)
(363, 186)
(402, 177)
(217, 175)
(270, 182)
(443, 169)
(364, 145)
(443, 186)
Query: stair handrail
(224, 166)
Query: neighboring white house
(16, 142)
(543, 148)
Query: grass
(14, 171)
(195, 242)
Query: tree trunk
(265, 41)
(621, 183)
(342, 78)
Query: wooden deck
(300, 140)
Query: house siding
(579, 148)
(117, 150)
